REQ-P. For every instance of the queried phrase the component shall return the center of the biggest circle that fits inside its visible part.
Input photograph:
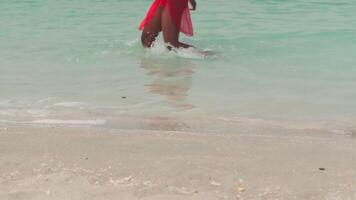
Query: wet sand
(72, 163)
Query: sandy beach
(72, 163)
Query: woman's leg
(171, 31)
(152, 29)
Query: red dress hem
(179, 11)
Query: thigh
(154, 25)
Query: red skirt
(179, 11)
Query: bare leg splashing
(171, 17)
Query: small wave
(132, 43)
(4, 102)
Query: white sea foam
(38, 112)
(70, 122)
(160, 48)
(25, 112)
(71, 104)
(190, 53)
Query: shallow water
(81, 62)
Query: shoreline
(95, 163)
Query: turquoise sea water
(81, 62)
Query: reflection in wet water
(171, 79)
